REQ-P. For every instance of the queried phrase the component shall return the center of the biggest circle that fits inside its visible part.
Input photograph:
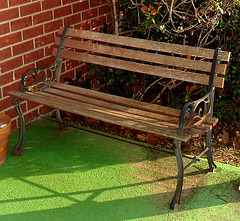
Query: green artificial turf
(78, 175)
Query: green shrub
(206, 23)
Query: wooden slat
(144, 56)
(141, 68)
(122, 117)
(103, 116)
(118, 100)
(146, 44)
(112, 106)
(169, 124)
(112, 110)
(131, 103)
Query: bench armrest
(35, 79)
(38, 78)
(195, 112)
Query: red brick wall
(27, 31)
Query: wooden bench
(182, 63)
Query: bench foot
(211, 164)
(18, 149)
(176, 199)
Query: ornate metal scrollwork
(193, 113)
(38, 78)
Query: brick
(72, 19)
(95, 3)
(23, 47)
(17, 2)
(30, 9)
(69, 74)
(42, 17)
(44, 40)
(104, 9)
(45, 62)
(100, 29)
(13, 125)
(6, 78)
(20, 71)
(10, 39)
(71, 1)
(60, 12)
(45, 109)
(11, 87)
(98, 22)
(72, 64)
(82, 68)
(5, 53)
(80, 6)
(5, 103)
(9, 14)
(13, 112)
(31, 105)
(21, 23)
(11, 64)
(47, 4)
(32, 32)
(52, 26)
(83, 26)
(63, 68)
(48, 50)
(4, 28)
(109, 19)
(89, 14)
(33, 56)
(30, 116)
(3, 4)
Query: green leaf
(131, 78)
(112, 79)
(91, 71)
(162, 27)
(148, 23)
(121, 78)
(79, 75)
(187, 97)
(119, 72)
(157, 18)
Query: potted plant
(5, 130)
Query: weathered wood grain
(141, 68)
(168, 60)
(148, 45)
(103, 115)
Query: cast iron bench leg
(59, 119)
(18, 149)
(178, 191)
(212, 165)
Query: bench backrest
(186, 63)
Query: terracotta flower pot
(5, 130)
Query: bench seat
(117, 110)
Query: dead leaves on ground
(225, 142)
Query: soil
(225, 139)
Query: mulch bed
(225, 142)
